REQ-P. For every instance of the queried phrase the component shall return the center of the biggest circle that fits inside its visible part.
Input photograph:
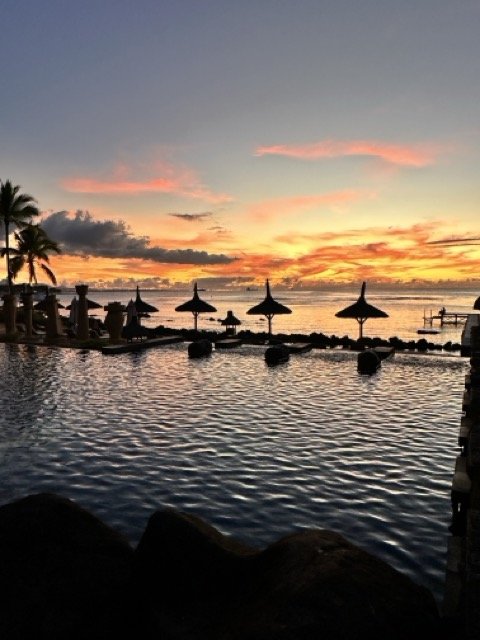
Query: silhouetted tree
(33, 247)
(16, 210)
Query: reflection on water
(257, 451)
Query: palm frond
(49, 273)
(16, 265)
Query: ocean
(312, 311)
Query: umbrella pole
(269, 325)
(195, 317)
(360, 333)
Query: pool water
(257, 451)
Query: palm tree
(33, 247)
(16, 209)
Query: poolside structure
(269, 308)
(196, 306)
(231, 323)
(79, 312)
(462, 583)
(27, 301)
(361, 311)
(139, 345)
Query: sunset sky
(308, 141)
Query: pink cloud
(402, 155)
(173, 180)
(268, 209)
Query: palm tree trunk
(32, 276)
(7, 254)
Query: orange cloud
(385, 254)
(401, 155)
(173, 180)
(414, 235)
(268, 209)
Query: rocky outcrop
(65, 574)
(198, 584)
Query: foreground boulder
(195, 583)
(63, 573)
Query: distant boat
(251, 289)
(430, 331)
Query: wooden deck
(228, 343)
(126, 347)
(299, 347)
(449, 317)
(384, 352)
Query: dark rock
(368, 361)
(197, 584)
(200, 348)
(397, 343)
(63, 573)
(422, 344)
(319, 340)
(277, 354)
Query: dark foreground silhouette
(65, 574)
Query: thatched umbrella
(361, 311)
(231, 322)
(91, 304)
(476, 305)
(134, 330)
(42, 305)
(195, 306)
(143, 307)
(131, 310)
(268, 308)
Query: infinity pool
(256, 451)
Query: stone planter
(54, 325)
(83, 332)
(114, 321)
(27, 301)
(10, 313)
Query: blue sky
(322, 123)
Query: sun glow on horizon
(383, 254)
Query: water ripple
(257, 451)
